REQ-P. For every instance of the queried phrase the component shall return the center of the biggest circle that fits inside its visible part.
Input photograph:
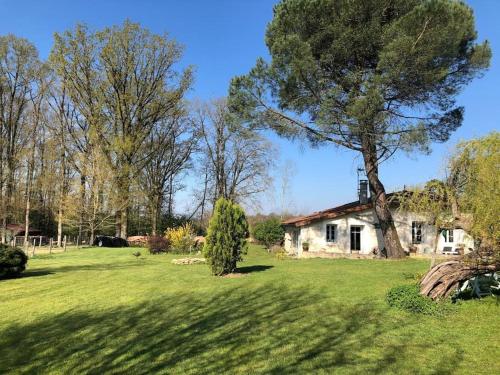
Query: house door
(355, 238)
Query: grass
(103, 311)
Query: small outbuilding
(15, 230)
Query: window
(355, 238)
(331, 232)
(448, 235)
(416, 232)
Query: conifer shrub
(12, 261)
(226, 238)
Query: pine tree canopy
(389, 69)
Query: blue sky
(222, 39)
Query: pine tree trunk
(380, 203)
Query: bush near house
(12, 261)
(268, 232)
(226, 238)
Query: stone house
(353, 228)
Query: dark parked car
(108, 241)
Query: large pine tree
(373, 76)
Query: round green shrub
(269, 232)
(408, 297)
(12, 261)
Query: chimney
(363, 191)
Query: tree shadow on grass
(251, 269)
(92, 267)
(270, 329)
(36, 273)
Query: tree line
(100, 136)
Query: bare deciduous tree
(236, 160)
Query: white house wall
(371, 237)
(460, 239)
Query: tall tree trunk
(82, 205)
(59, 225)
(154, 221)
(204, 198)
(380, 203)
(92, 234)
(9, 192)
(29, 179)
(125, 199)
(60, 211)
(2, 198)
(118, 223)
(3, 229)
(220, 157)
(27, 218)
(170, 196)
(62, 193)
(124, 223)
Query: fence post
(33, 252)
(78, 242)
(50, 245)
(64, 243)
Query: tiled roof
(331, 213)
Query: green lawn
(103, 311)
